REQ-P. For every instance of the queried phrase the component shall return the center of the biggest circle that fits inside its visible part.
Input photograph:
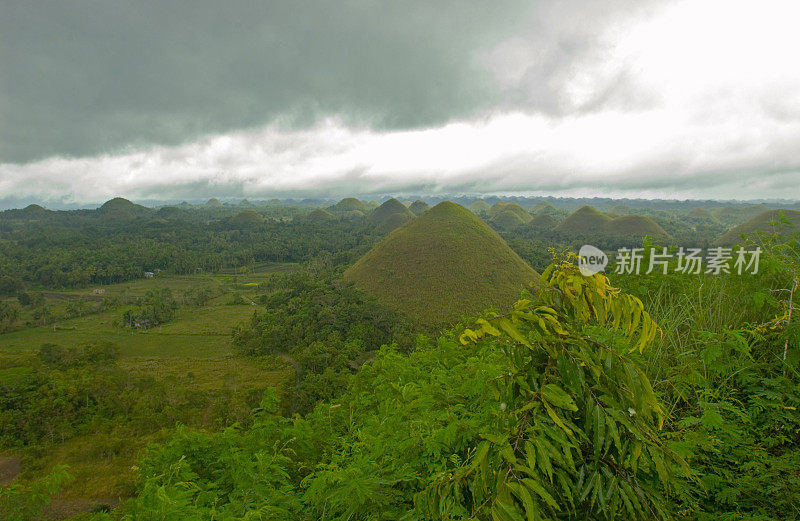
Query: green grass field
(192, 352)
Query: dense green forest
(279, 361)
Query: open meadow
(191, 355)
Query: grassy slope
(543, 207)
(506, 219)
(320, 216)
(348, 204)
(584, 220)
(418, 207)
(389, 215)
(759, 223)
(501, 206)
(247, 217)
(736, 215)
(636, 225)
(544, 221)
(445, 263)
(480, 206)
(193, 352)
(700, 213)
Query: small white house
(149, 274)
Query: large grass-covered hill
(445, 255)
(763, 222)
(389, 216)
(587, 221)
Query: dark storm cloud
(148, 100)
(86, 77)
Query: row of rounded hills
(431, 257)
(504, 216)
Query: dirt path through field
(9, 469)
(59, 509)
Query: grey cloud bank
(87, 77)
(155, 100)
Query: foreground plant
(579, 435)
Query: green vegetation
(543, 221)
(503, 208)
(388, 216)
(506, 219)
(769, 221)
(121, 209)
(636, 225)
(700, 213)
(349, 204)
(588, 222)
(572, 404)
(321, 216)
(324, 328)
(585, 220)
(83, 248)
(480, 207)
(735, 215)
(91, 392)
(418, 207)
(302, 364)
(445, 255)
(246, 218)
(543, 207)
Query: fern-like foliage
(579, 435)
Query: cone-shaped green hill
(444, 264)
(543, 221)
(587, 222)
(544, 207)
(246, 218)
(506, 220)
(736, 215)
(117, 204)
(761, 223)
(417, 207)
(348, 204)
(637, 225)
(700, 213)
(34, 209)
(319, 216)
(119, 208)
(480, 206)
(584, 220)
(389, 216)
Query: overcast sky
(188, 100)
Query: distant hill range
(441, 264)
